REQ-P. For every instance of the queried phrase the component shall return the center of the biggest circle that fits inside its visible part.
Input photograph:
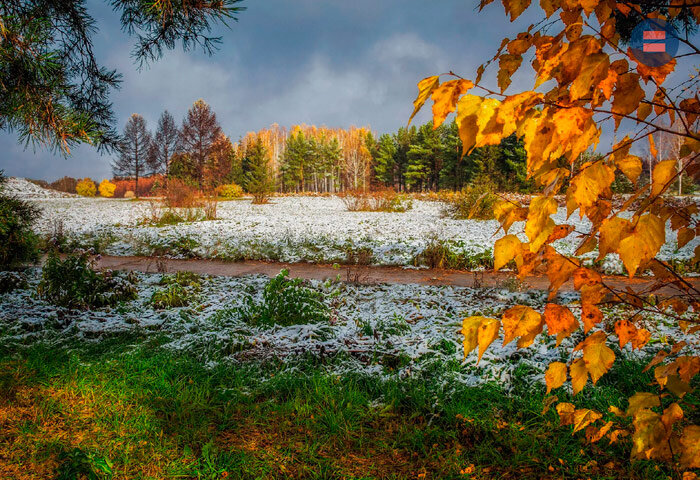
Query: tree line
(307, 158)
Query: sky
(325, 62)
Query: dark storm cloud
(323, 62)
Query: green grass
(145, 412)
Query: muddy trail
(367, 274)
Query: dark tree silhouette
(199, 131)
(54, 93)
(133, 160)
(164, 144)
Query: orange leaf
(508, 65)
(628, 94)
(560, 321)
(559, 270)
(659, 74)
(625, 331)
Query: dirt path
(365, 275)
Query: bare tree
(164, 144)
(133, 151)
(199, 131)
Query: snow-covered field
(22, 187)
(405, 330)
(292, 229)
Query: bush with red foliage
(146, 186)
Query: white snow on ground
(385, 330)
(291, 229)
(23, 188)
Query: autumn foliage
(586, 80)
(86, 188)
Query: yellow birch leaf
(555, 375)
(652, 146)
(467, 110)
(504, 250)
(559, 270)
(488, 331)
(590, 183)
(539, 225)
(470, 329)
(508, 213)
(650, 438)
(630, 166)
(643, 243)
(628, 94)
(596, 434)
(640, 401)
(690, 447)
(584, 417)
(594, 69)
(685, 235)
(662, 175)
(425, 88)
(508, 65)
(445, 99)
(520, 321)
(598, 358)
(566, 413)
(612, 231)
(515, 7)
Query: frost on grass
(385, 330)
(293, 229)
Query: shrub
(10, 281)
(74, 283)
(147, 186)
(179, 194)
(107, 188)
(172, 296)
(129, 194)
(475, 202)
(230, 191)
(286, 302)
(376, 201)
(440, 254)
(18, 243)
(180, 290)
(86, 188)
